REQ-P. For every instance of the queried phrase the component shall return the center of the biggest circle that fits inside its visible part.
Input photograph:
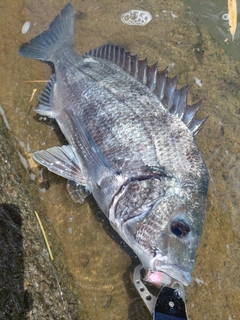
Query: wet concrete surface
(100, 264)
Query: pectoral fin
(62, 161)
(90, 156)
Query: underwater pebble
(25, 27)
(84, 260)
(106, 301)
(32, 176)
(199, 281)
(28, 148)
(136, 17)
(173, 15)
(21, 143)
(197, 81)
(44, 185)
(2, 113)
(23, 160)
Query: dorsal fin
(45, 101)
(165, 88)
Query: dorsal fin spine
(191, 111)
(127, 65)
(142, 71)
(183, 93)
(152, 76)
(165, 88)
(112, 53)
(161, 82)
(170, 92)
(134, 66)
(122, 58)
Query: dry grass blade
(232, 13)
(33, 94)
(37, 81)
(44, 236)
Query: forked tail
(60, 33)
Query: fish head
(162, 222)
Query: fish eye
(180, 228)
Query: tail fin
(59, 33)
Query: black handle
(170, 305)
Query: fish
(131, 144)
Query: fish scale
(131, 144)
(104, 102)
(122, 131)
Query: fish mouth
(176, 273)
(165, 265)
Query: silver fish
(131, 145)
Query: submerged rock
(31, 284)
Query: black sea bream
(131, 144)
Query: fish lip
(176, 273)
(162, 263)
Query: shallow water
(214, 15)
(179, 37)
